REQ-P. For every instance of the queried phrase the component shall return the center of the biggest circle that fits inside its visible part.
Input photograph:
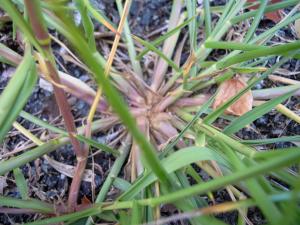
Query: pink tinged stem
(162, 124)
(81, 90)
(168, 100)
(137, 167)
(171, 82)
(193, 101)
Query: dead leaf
(69, 170)
(85, 201)
(275, 16)
(229, 89)
(297, 28)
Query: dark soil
(47, 184)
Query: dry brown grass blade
(283, 79)
(69, 170)
(108, 65)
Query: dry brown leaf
(69, 170)
(275, 16)
(297, 28)
(85, 201)
(230, 88)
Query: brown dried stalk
(35, 16)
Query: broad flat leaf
(229, 89)
(275, 16)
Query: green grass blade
(272, 140)
(262, 168)
(136, 214)
(239, 46)
(114, 171)
(159, 40)
(98, 14)
(246, 56)
(268, 93)
(255, 189)
(257, 112)
(269, 8)
(191, 10)
(121, 184)
(207, 16)
(82, 138)
(214, 115)
(171, 145)
(69, 217)
(7, 55)
(172, 163)
(10, 8)
(30, 155)
(87, 24)
(16, 93)
(113, 174)
(158, 52)
(26, 204)
(21, 183)
(130, 45)
(10, 93)
(258, 16)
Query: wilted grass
(169, 120)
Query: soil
(146, 16)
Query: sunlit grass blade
(268, 93)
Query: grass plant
(169, 127)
